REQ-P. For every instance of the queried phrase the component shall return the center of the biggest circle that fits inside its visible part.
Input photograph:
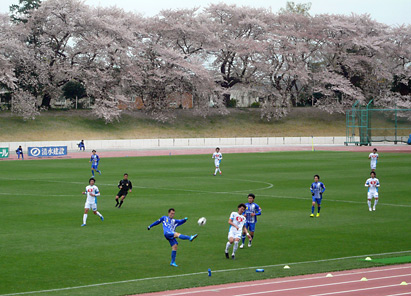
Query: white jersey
(374, 158)
(372, 184)
(92, 189)
(217, 158)
(238, 220)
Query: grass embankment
(76, 125)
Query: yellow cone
(404, 284)
(329, 275)
(286, 267)
(368, 259)
(364, 279)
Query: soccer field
(43, 247)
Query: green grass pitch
(43, 247)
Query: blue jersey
(252, 208)
(94, 159)
(169, 225)
(317, 188)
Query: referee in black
(125, 187)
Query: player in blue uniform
(94, 159)
(317, 189)
(169, 227)
(252, 211)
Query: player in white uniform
(374, 157)
(372, 183)
(237, 227)
(217, 160)
(91, 202)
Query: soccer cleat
(213, 174)
(83, 225)
(99, 172)
(173, 264)
(370, 209)
(102, 218)
(233, 257)
(373, 208)
(249, 244)
(193, 237)
(226, 255)
(241, 246)
(221, 172)
(312, 215)
(318, 215)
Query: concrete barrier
(131, 144)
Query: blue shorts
(94, 166)
(171, 239)
(317, 200)
(250, 226)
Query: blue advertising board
(47, 151)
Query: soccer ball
(202, 221)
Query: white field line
(249, 285)
(205, 272)
(242, 192)
(400, 294)
(355, 290)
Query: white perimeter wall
(180, 143)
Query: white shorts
(217, 164)
(234, 233)
(92, 206)
(370, 195)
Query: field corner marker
(364, 279)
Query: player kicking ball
(91, 202)
(217, 156)
(236, 221)
(317, 189)
(372, 183)
(169, 226)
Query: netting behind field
(365, 125)
(390, 125)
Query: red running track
(381, 281)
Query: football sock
(243, 238)
(84, 218)
(252, 236)
(369, 203)
(227, 246)
(216, 170)
(92, 172)
(235, 247)
(98, 213)
(98, 171)
(375, 201)
(173, 256)
(182, 236)
(116, 202)
(319, 208)
(121, 202)
(312, 210)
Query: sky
(391, 12)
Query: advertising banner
(47, 151)
(4, 152)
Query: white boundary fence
(135, 144)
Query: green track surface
(43, 247)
